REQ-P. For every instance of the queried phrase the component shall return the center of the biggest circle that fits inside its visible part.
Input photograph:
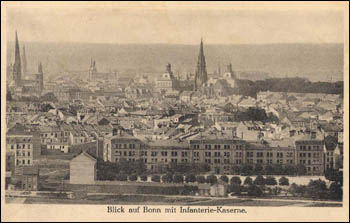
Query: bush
(190, 178)
(283, 181)
(335, 191)
(248, 181)
(200, 179)
(254, 190)
(235, 189)
(259, 180)
(270, 180)
(212, 179)
(247, 170)
(155, 178)
(236, 180)
(189, 190)
(178, 179)
(224, 178)
(121, 177)
(317, 189)
(133, 177)
(167, 178)
(143, 177)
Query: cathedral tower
(201, 76)
(17, 69)
(40, 78)
(24, 62)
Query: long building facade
(219, 154)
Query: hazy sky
(179, 23)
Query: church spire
(17, 69)
(40, 68)
(24, 61)
(201, 76)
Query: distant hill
(313, 61)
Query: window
(196, 146)
(227, 146)
(28, 162)
(217, 146)
(28, 153)
(208, 146)
(207, 154)
(184, 154)
(173, 153)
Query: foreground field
(172, 200)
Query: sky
(175, 23)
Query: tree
(224, 178)
(317, 189)
(334, 175)
(143, 177)
(259, 180)
(212, 179)
(254, 190)
(167, 178)
(133, 177)
(200, 179)
(9, 96)
(258, 169)
(236, 180)
(247, 170)
(155, 178)
(290, 170)
(235, 188)
(236, 169)
(190, 178)
(248, 181)
(301, 169)
(335, 191)
(283, 181)
(178, 178)
(121, 177)
(270, 180)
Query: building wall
(310, 153)
(25, 148)
(82, 170)
(219, 154)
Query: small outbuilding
(83, 169)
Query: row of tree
(296, 84)
(271, 169)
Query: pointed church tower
(24, 62)
(17, 69)
(40, 78)
(201, 76)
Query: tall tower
(24, 61)
(93, 69)
(17, 69)
(201, 76)
(40, 78)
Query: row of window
(23, 162)
(304, 148)
(218, 146)
(309, 155)
(23, 153)
(21, 146)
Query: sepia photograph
(174, 109)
